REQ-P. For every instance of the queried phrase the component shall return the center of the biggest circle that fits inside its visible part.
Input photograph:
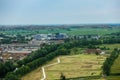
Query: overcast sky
(59, 11)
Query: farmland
(72, 66)
(69, 31)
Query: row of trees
(38, 54)
(109, 61)
(6, 67)
(36, 63)
(9, 66)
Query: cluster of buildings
(15, 51)
(87, 36)
(56, 36)
(18, 51)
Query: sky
(13, 12)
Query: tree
(11, 76)
(75, 50)
(96, 53)
(62, 77)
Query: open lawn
(72, 66)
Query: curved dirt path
(43, 68)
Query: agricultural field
(87, 31)
(72, 66)
(69, 31)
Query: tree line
(6, 67)
(109, 61)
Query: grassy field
(36, 74)
(116, 66)
(71, 31)
(86, 31)
(111, 46)
(113, 78)
(76, 66)
(73, 66)
(115, 69)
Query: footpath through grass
(76, 66)
(73, 66)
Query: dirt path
(43, 68)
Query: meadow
(111, 46)
(69, 31)
(72, 66)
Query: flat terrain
(116, 66)
(73, 66)
(69, 31)
(111, 46)
(115, 69)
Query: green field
(111, 46)
(70, 31)
(73, 66)
(116, 66)
(76, 66)
(115, 69)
